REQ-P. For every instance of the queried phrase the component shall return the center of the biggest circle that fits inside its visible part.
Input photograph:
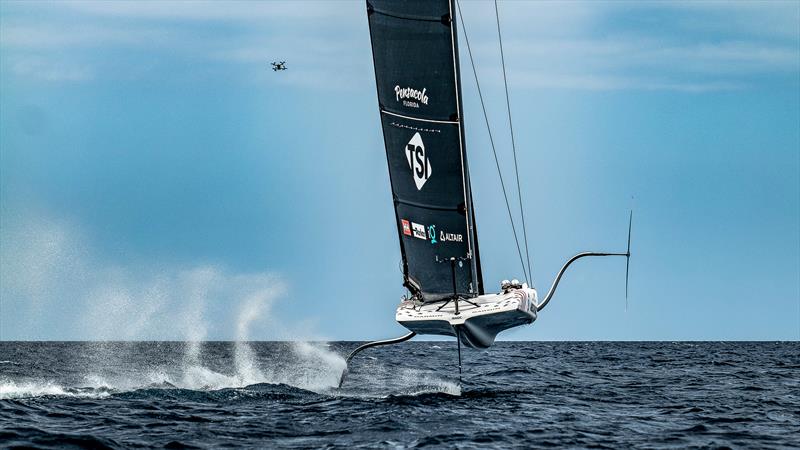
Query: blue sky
(158, 181)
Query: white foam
(383, 381)
(153, 378)
(315, 368)
(308, 367)
(203, 379)
(10, 390)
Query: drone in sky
(276, 66)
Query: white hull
(477, 324)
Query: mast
(476, 260)
(415, 54)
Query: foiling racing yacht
(416, 60)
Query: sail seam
(407, 17)
(424, 206)
(420, 119)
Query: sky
(159, 181)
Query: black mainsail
(415, 52)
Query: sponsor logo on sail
(443, 236)
(419, 230)
(410, 97)
(450, 237)
(432, 234)
(418, 161)
(406, 227)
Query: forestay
(414, 48)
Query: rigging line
(491, 141)
(513, 143)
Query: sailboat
(418, 80)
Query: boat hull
(478, 320)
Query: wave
(374, 380)
(9, 390)
(12, 390)
(435, 389)
(301, 365)
(112, 370)
(260, 391)
(198, 383)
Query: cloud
(683, 46)
(641, 64)
(537, 80)
(653, 46)
(773, 19)
(242, 11)
(313, 61)
(84, 41)
(38, 36)
(51, 70)
(729, 57)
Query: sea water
(284, 394)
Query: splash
(314, 367)
(43, 260)
(246, 365)
(199, 281)
(57, 286)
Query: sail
(414, 49)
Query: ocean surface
(516, 394)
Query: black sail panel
(416, 70)
(433, 224)
(413, 54)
